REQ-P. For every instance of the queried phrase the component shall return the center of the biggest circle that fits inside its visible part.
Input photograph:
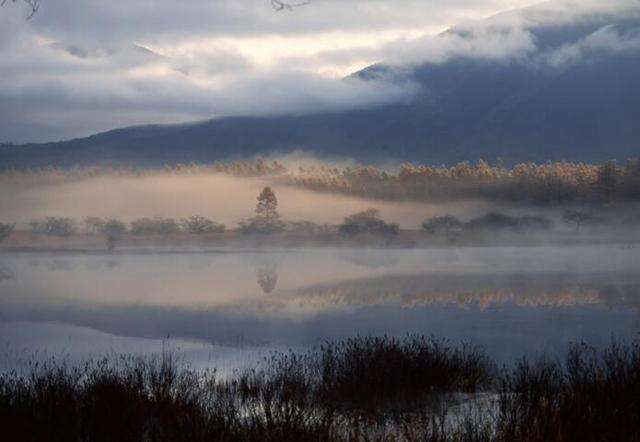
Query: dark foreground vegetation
(365, 389)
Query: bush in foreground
(376, 389)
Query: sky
(83, 66)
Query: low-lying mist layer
(548, 183)
(326, 203)
(223, 197)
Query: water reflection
(510, 301)
(267, 274)
(5, 272)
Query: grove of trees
(548, 183)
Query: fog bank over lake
(511, 301)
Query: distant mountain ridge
(578, 100)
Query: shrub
(304, 227)
(442, 225)
(157, 226)
(200, 225)
(54, 226)
(368, 222)
(493, 221)
(93, 224)
(260, 226)
(579, 218)
(593, 396)
(374, 388)
(112, 229)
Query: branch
(33, 5)
(280, 5)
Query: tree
(34, 5)
(154, 226)
(369, 222)
(440, 225)
(494, 221)
(112, 229)
(577, 217)
(267, 219)
(607, 181)
(632, 178)
(267, 207)
(93, 224)
(5, 231)
(54, 226)
(199, 225)
(280, 5)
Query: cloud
(84, 66)
(99, 88)
(607, 39)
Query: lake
(230, 308)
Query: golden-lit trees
(549, 183)
(607, 180)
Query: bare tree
(200, 225)
(279, 5)
(577, 218)
(34, 5)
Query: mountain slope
(577, 97)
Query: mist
(221, 197)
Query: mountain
(574, 96)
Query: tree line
(548, 183)
(364, 227)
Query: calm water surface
(230, 308)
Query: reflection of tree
(267, 276)
(5, 272)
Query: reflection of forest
(475, 291)
(267, 274)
